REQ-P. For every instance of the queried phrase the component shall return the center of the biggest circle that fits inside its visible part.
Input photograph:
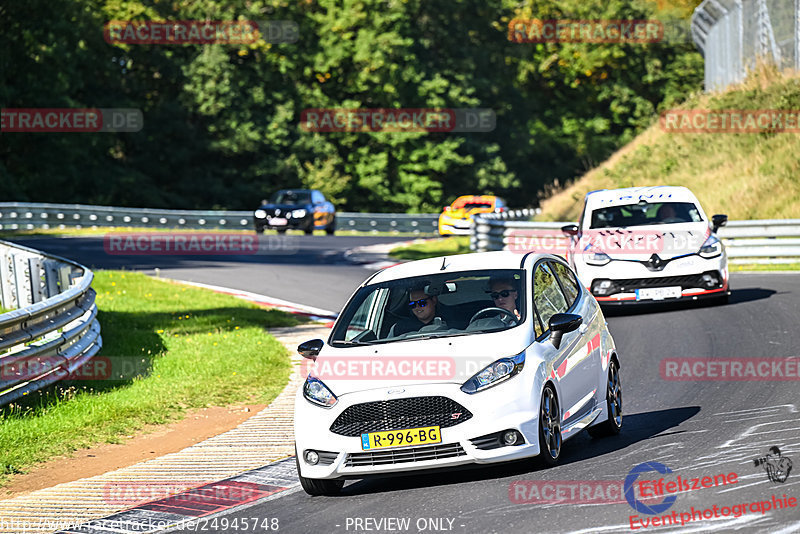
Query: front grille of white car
(713, 280)
(399, 456)
(399, 414)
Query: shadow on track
(636, 428)
(738, 296)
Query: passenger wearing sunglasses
(504, 294)
(423, 308)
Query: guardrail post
(35, 270)
(64, 278)
(8, 298)
(22, 281)
(50, 277)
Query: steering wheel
(672, 220)
(492, 310)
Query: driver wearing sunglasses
(504, 294)
(423, 308)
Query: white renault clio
(645, 244)
(443, 362)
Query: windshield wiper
(434, 336)
(350, 343)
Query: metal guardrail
(734, 34)
(29, 216)
(758, 241)
(52, 328)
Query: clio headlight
(298, 214)
(316, 392)
(711, 248)
(597, 258)
(494, 373)
(261, 214)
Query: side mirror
(570, 229)
(446, 208)
(310, 349)
(717, 221)
(560, 324)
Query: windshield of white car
(645, 214)
(432, 306)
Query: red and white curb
(249, 463)
(188, 508)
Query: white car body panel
(577, 370)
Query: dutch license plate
(401, 438)
(278, 221)
(658, 293)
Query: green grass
(764, 267)
(446, 246)
(746, 176)
(201, 349)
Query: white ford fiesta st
(646, 244)
(444, 362)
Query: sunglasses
(421, 303)
(501, 294)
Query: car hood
(641, 242)
(444, 360)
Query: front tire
(316, 487)
(612, 425)
(549, 427)
(331, 228)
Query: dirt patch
(152, 442)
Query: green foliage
(222, 121)
(733, 173)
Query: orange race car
(455, 218)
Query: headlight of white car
(298, 214)
(711, 248)
(597, 258)
(495, 373)
(316, 392)
(260, 214)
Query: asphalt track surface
(696, 428)
(309, 270)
